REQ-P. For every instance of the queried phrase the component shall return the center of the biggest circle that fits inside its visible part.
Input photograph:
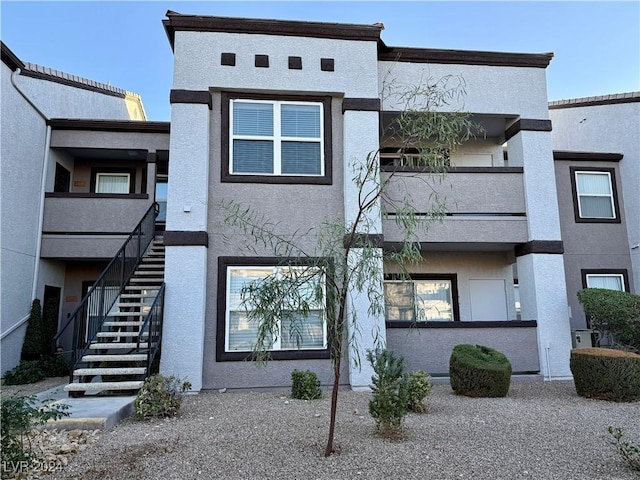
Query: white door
(488, 299)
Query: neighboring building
(271, 114)
(57, 231)
(598, 161)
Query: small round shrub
(606, 374)
(305, 385)
(160, 396)
(419, 389)
(479, 371)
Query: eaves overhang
(109, 125)
(292, 28)
(462, 57)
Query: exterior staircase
(119, 356)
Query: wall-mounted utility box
(581, 338)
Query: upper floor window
(276, 140)
(594, 195)
(421, 299)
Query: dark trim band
(9, 58)
(121, 196)
(198, 23)
(632, 97)
(587, 156)
(402, 168)
(472, 324)
(462, 57)
(178, 238)
(102, 234)
(553, 247)
(191, 96)
(109, 125)
(152, 157)
(529, 125)
(361, 104)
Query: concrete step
(133, 357)
(150, 273)
(150, 266)
(99, 386)
(122, 324)
(129, 304)
(117, 345)
(110, 371)
(153, 280)
(120, 334)
(128, 314)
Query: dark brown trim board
(361, 104)
(474, 324)
(462, 57)
(179, 238)
(228, 177)
(529, 125)
(9, 58)
(221, 355)
(109, 125)
(130, 196)
(574, 193)
(613, 99)
(606, 271)
(191, 96)
(199, 23)
(560, 155)
(552, 247)
(402, 168)
(362, 240)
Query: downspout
(43, 179)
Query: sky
(596, 45)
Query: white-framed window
(113, 183)
(296, 333)
(595, 195)
(609, 281)
(269, 137)
(420, 300)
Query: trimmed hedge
(479, 371)
(606, 374)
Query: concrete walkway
(90, 412)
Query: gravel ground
(33, 388)
(540, 431)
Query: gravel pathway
(540, 431)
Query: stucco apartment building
(271, 114)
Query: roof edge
(9, 58)
(587, 156)
(295, 28)
(463, 57)
(109, 125)
(612, 99)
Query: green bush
(629, 451)
(32, 345)
(305, 385)
(160, 396)
(390, 388)
(479, 371)
(606, 374)
(27, 371)
(614, 312)
(19, 416)
(419, 389)
(54, 366)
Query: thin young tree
(345, 260)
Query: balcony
(485, 206)
(89, 225)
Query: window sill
(134, 196)
(477, 324)
(276, 180)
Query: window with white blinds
(609, 281)
(595, 195)
(294, 333)
(419, 300)
(276, 138)
(113, 183)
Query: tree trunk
(334, 407)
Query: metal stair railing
(152, 326)
(88, 317)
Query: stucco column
(541, 276)
(360, 140)
(186, 244)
